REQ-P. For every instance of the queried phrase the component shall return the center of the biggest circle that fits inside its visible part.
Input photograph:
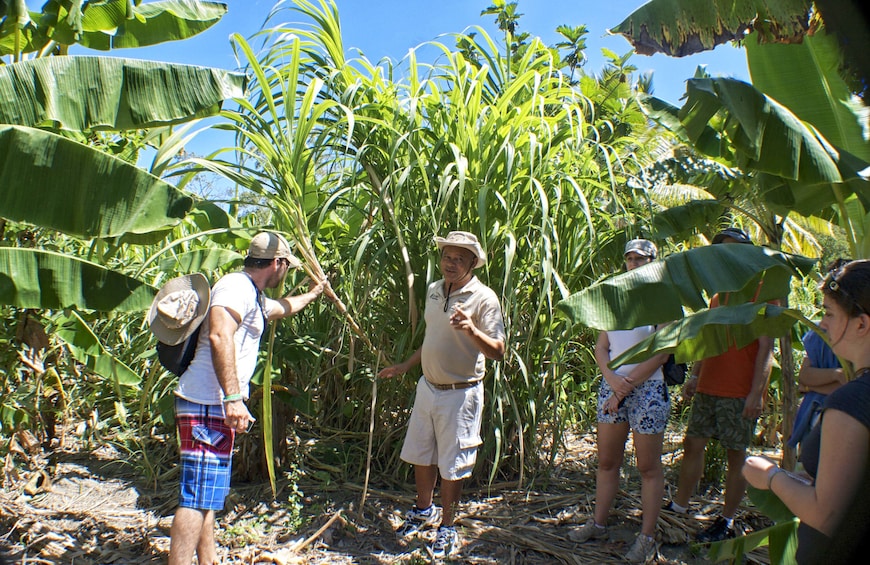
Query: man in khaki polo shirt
(464, 325)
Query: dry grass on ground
(86, 508)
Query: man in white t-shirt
(210, 398)
(464, 326)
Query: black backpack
(675, 373)
(176, 358)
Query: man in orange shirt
(727, 393)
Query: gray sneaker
(643, 551)
(445, 542)
(587, 532)
(416, 520)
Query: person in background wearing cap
(464, 326)
(210, 398)
(630, 398)
(727, 393)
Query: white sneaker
(445, 542)
(416, 520)
(644, 550)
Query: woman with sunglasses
(832, 504)
(631, 398)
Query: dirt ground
(86, 508)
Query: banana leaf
(657, 292)
(806, 172)
(711, 332)
(680, 222)
(805, 78)
(683, 27)
(781, 538)
(109, 93)
(109, 25)
(201, 260)
(709, 141)
(764, 132)
(87, 348)
(31, 278)
(56, 183)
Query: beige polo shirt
(449, 355)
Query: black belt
(454, 386)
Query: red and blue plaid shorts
(206, 455)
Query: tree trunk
(789, 396)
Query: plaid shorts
(721, 418)
(206, 455)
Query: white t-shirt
(450, 356)
(622, 340)
(235, 291)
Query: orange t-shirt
(729, 374)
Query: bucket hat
(270, 245)
(643, 247)
(465, 240)
(179, 308)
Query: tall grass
(362, 164)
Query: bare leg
(691, 468)
(735, 484)
(611, 452)
(185, 535)
(425, 477)
(450, 493)
(652, 486)
(206, 552)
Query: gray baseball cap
(736, 234)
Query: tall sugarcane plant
(361, 169)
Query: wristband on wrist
(774, 471)
(233, 397)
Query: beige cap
(270, 245)
(464, 240)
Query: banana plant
(57, 114)
(101, 24)
(795, 65)
(665, 290)
(50, 107)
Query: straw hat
(179, 308)
(464, 240)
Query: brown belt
(454, 386)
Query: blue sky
(389, 28)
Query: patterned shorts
(646, 408)
(206, 455)
(721, 418)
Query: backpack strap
(261, 300)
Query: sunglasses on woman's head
(832, 283)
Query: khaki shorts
(721, 418)
(444, 429)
